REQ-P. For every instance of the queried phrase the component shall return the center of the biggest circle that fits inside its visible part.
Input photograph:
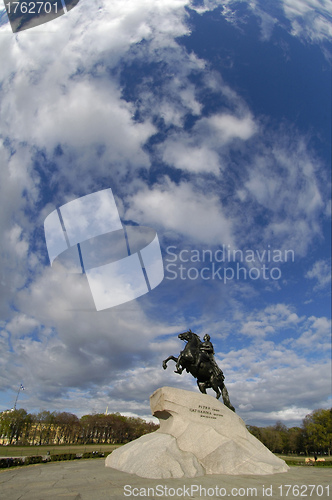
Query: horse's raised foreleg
(178, 367)
(202, 386)
(215, 387)
(167, 360)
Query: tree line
(314, 436)
(23, 428)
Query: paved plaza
(91, 480)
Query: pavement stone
(91, 480)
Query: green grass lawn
(28, 451)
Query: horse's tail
(225, 397)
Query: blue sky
(211, 123)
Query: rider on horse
(206, 353)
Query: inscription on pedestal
(207, 412)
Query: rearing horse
(207, 374)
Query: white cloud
(321, 272)
(269, 321)
(226, 127)
(310, 19)
(197, 151)
(282, 180)
(191, 158)
(70, 99)
(175, 207)
(18, 192)
(316, 337)
(22, 325)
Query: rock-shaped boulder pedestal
(198, 435)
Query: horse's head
(184, 336)
(188, 336)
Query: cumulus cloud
(321, 272)
(174, 207)
(18, 192)
(226, 127)
(197, 150)
(188, 157)
(316, 336)
(71, 101)
(59, 345)
(270, 320)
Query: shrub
(93, 454)
(10, 462)
(33, 460)
(64, 456)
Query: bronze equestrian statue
(197, 358)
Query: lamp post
(18, 392)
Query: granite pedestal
(198, 435)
